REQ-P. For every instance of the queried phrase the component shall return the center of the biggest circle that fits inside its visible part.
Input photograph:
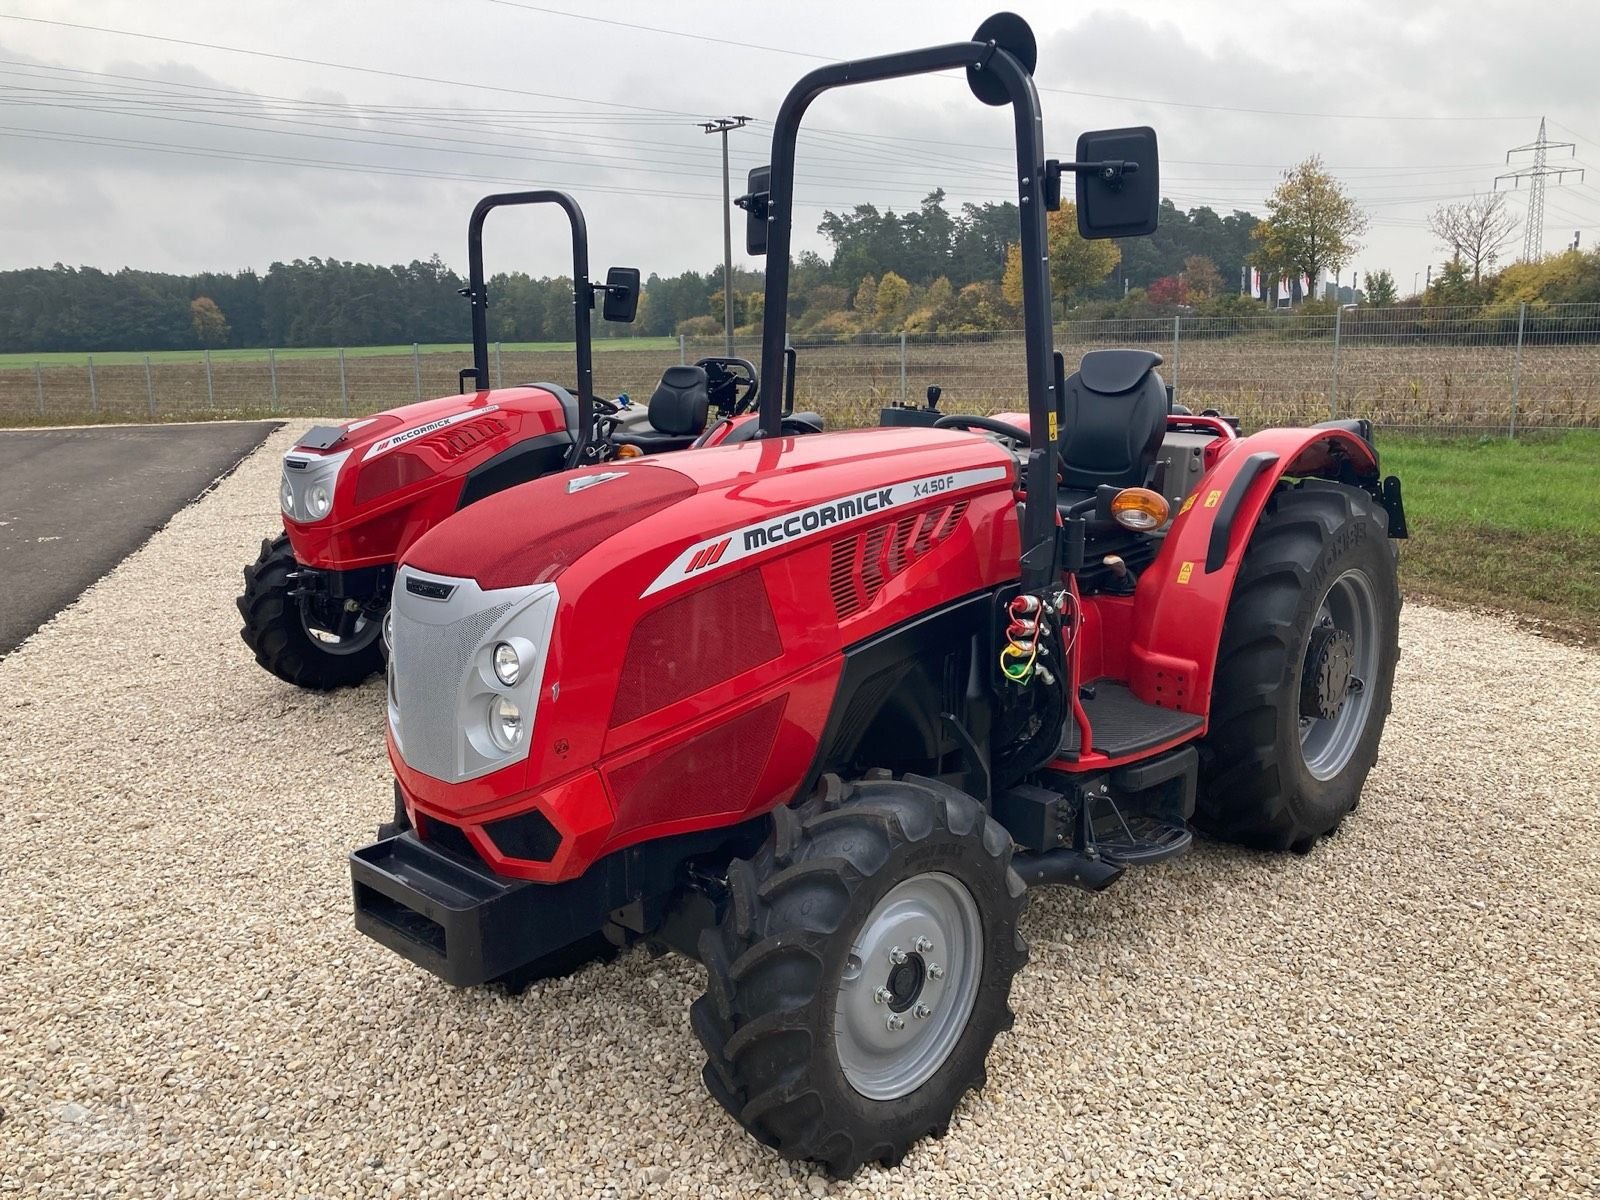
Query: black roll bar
(1040, 550)
(477, 292)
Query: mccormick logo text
(384, 445)
(813, 519)
(766, 535)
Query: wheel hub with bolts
(1328, 674)
(1341, 655)
(908, 985)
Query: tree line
(928, 269)
(925, 270)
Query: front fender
(1182, 597)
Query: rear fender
(1182, 598)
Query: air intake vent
(452, 443)
(695, 642)
(863, 564)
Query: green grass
(1507, 525)
(126, 358)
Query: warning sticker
(1185, 571)
(1188, 503)
(1212, 497)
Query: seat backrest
(678, 406)
(1116, 416)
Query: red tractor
(818, 711)
(355, 496)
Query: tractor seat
(1115, 418)
(677, 412)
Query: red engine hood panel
(414, 421)
(532, 533)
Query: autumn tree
(1312, 225)
(1380, 289)
(1201, 277)
(1169, 289)
(866, 297)
(892, 301)
(206, 319)
(1077, 264)
(1474, 231)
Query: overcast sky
(124, 150)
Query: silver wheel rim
(908, 986)
(362, 636)
(1328, 743)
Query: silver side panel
(441, 675)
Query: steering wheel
(731, 375)
(988, 424)
(994, 425)
(604, 407)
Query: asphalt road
(75, 502)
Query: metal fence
(1439, 370)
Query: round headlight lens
(505, 722)
(318, 501)
(388, 631)
(286, 497)
(507, 666)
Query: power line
(1273, 112)
(317, 62)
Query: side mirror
(622, 294)
(754, 203)
(1119, 183)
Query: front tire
(275, 628)
(1305, 670)
(862, 970)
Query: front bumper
(460, 920)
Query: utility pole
(1536, 174)
(722, 125)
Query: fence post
(344, 388)
(38, 384)
(1516, 368)
(272, 369)
(1176, 318)
(149, 390)
(902, 366)
(211, 394)
(94, 394)
(416, 366)
(499, 375)
(1333, 383)
(683, 357)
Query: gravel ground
(186, 1010)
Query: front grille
(430, 662)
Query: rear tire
(801, 1047)
(275, 630)
(1319, 563)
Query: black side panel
(887, 711)
(523, 462)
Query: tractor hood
(372, 437)
(709, 509)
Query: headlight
(507, 666)
(505, 722)
(286, 497)
(318, 501)
(387, 632)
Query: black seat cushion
(1116, 416)
(678, 406)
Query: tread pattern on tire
(766, 968)
(274, 632)
(1248, 792)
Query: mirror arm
(1110, 170)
